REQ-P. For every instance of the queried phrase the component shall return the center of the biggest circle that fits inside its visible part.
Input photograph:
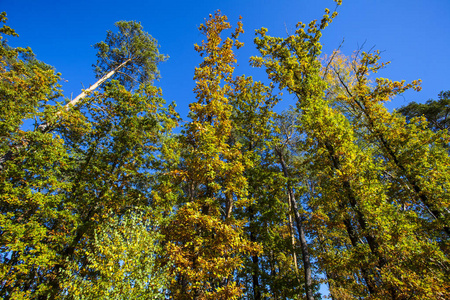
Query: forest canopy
(110, 195)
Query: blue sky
(414, 35)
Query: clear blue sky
(414, 35)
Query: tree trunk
(46, 127)
(255, 259)
(301, 232)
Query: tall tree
(403, 152)
(294, 208)
(206, 242)
(30, 179)
(130, 56)
(274, 272)
(62, 185)
(349, 191)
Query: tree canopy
(110, 196)
(435, 111)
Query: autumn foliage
(101, 198)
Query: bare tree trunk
(46, 127)
(94, 86)
(301, 232)
(291, 232)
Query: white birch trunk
(46, 126)
(93, 87)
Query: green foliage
(131, 44)
(31, 185)
(121, 261)
(355, 219)
(60, 186)
(106, 203)
(435, 111)
(205, 241)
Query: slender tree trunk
(46, 127)
(354, 241)
(273, 273)
(301, 232)
(94, 86)
(291, 232)
(255, 278)
(255, 259)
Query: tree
(300, 220)
(28, 179)
(273, 272)
(130, 56)
(351, 195)
(435, 111)
(61, 185)
(405, 151)
(396, 147)
(206, 242)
